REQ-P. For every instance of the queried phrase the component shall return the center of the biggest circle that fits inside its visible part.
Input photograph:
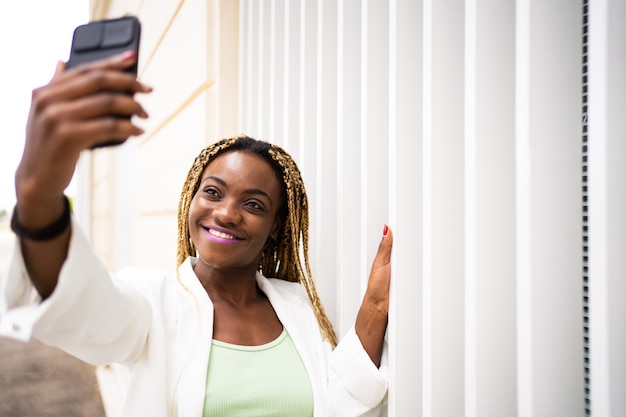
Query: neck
(237, 287)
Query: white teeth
(221, 234)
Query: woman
(218, 337)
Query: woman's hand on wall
(371, 322)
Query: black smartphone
(101, 39)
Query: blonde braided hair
(286, 256)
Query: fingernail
(128, 55)
(385, 230)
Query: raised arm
(73, 112)
(371, 321)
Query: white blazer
(160, 325)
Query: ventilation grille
(585, 80)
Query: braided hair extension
(286, 256)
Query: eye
(254, 205)
(211, 192)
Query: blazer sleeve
(357, 386)
(90, 314)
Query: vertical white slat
(607, 205)
(363, 142)
(245, 67)
(252, 102)
(292, 102)
(325, 223)
(490, 336)
(306, 112)
(348, 173)
(405, 216)
(282, 115)
(264, 71)
(471, 209)
(275, 69)
(375, 122)
(427, 331)
(443, 211)
(525, 395)
(549, 209)
(304, 86)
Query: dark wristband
(48, 232)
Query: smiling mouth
(221, 235)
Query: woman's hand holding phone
(78, 109)
(72, 113)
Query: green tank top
(257, 381)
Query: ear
(276, 228)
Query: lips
(221, 235)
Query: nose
(227, 211)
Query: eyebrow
(248, 191)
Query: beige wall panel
(102, 163)
(103, 237)
(178, 67)
(156, 17)
(102, 199)
(156, 242)
(225, 59)
(122, 8)
(164, 160)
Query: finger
(59, 69)
(103, 105)
(91, 132)
(118, 62)
(383, 255)
(87, 84)
(100, 80)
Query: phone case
(104, 38)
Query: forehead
(244, 169)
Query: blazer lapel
(193, 343)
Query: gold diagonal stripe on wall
(146, 64)
(139, 7)
(100, 9)
(205, 86)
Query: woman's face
(234, 211)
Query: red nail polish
(128, 55)
(385, 230)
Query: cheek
(194, 208)
(192, 217)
